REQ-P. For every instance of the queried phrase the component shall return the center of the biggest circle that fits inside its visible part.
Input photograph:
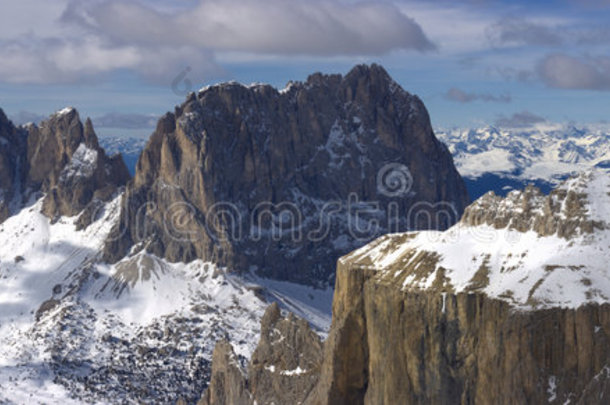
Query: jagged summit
(575, 207)
(375, 74)
(60, 158)
(532, 250)
(316, 144)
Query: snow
(552, 390)
(82, 164)
(312, 304)
(65, 111)
(495, 160)
(142, 300)
(296, 371)
(549, 151)
(524, 268)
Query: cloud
(126, 121)
(516, 31)
(35, 60)
(158, 40)
(460, 96)
(568, 72)
(519, 120)
(286, 27)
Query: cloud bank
(160, 41)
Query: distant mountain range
(500, 160)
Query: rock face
(12, 163)
(488, 312)
(283, 369)
(284, 182)
(388, 346)
(60, 158)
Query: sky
(473, 62)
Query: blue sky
(472, 62)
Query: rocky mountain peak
(60, 158)
(257, 152)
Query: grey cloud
(126, 121)
(519, 120)
(460, 96)
(568, 72)
(271, 26)
(160, 40)
(519, 31)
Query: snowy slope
(544, 154)
(142, 330)
(518, 262)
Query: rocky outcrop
(68, 165)
(475, 315)
(563, 211)
(62, 159)
(284, 182)
(388, 346)
(283, 370)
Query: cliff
(284, 182)
(490, 311)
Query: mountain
(490, 158)
(510, 305)
(502, 159)
(76, 328)
(61, 159)
(281, 183)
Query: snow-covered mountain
(530, 249)
(73, 329)
(502, 159)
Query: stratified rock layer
(388, 346)
(284, 182)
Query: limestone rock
(12, 163)
(62, 159)
(284, 182)
(283, 370)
